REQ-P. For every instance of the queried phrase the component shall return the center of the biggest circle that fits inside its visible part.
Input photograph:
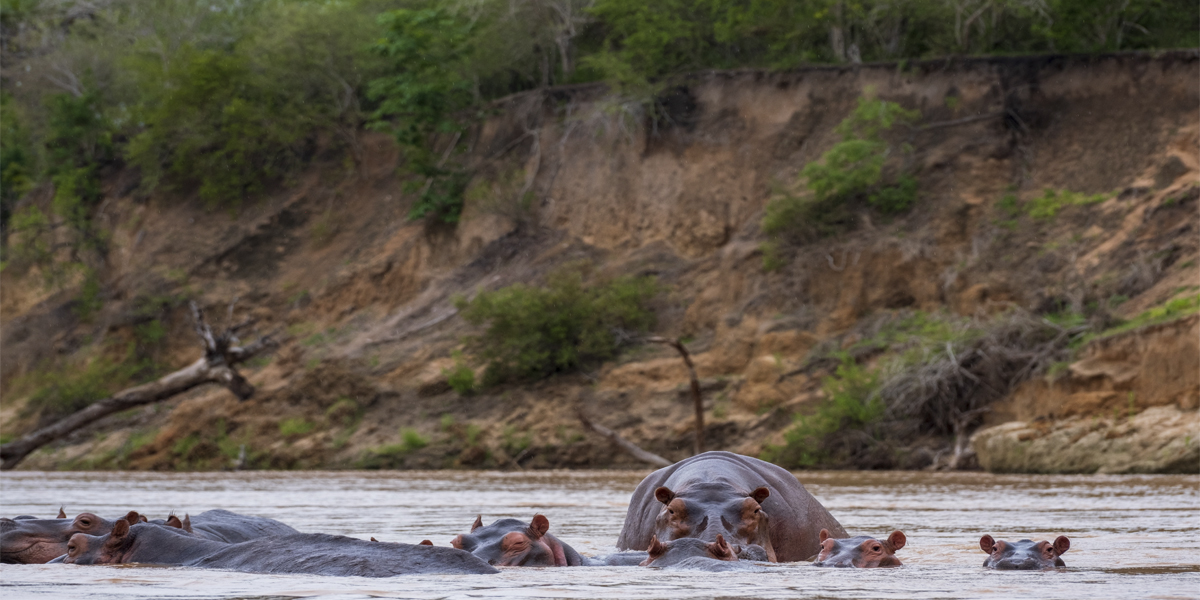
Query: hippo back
(225, 526)
(796, 517)
(335, 555)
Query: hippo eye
(85, 522)
(876, 548)
(672, 512)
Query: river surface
(1131, 536)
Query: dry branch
(221, 354)
(697, 401)
(625, 444)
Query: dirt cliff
(365, 296)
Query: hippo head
(513, 543)
(662, 554)
(1024, 554)
(37, 541)
(107, 549)
(709, 510)
(862, 552)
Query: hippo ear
(173, 521)
(133, 517)
(760, 494)
(656, 548)
(1062, 544)
(119, 531)
(539, 526)
(986, 543)
(477, 524)
(62, 514)
(824, 535)
(664, 494)
(187, 523)
(374, 540)
(720, 548)
(897, 540)
(425, 543)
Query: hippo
(673, 552)
(863, 552)
(29, 540)
(514, 543)
(297, 553)
(225, 526)
(747, 501)
(1025, 554)
(691, 554)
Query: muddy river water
(1131, 536)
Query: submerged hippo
(862, 552)
(29, 540)
(297, 553)
(1024, 554)
(225, 526)
(747, 501)
(691, 554)
(514, 543)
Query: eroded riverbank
(1132, 536)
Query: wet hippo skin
(1024, 554)
(225, 526)
(33, 541)
(515, 543)
(29, 540)
(298, 553)
(691, 554)
(745, 500)
(862, 552)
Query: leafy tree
(425, 49)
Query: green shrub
(413, 440)
(295, 427)
(70, 388)
(852, 403)
(1051, 201)
(533, 332)
(852, 171)
(460, 377)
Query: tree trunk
(217, 366)
(625, 444)
(697, 401)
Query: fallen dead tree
(626, 445)
(697, 400)
(222, 353)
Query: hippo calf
(861, 552)
(1024, 554)
(746, 501)
(298, 553)
(514, 543)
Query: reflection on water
(1131, 536)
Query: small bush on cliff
(535, 332)
(851, 409)
(854, 171)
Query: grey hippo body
(298, 553)
(746, 500)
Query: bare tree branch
(216, 366)
(625, 444)
(697, 401)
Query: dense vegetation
(534, 332)
(224, 98)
